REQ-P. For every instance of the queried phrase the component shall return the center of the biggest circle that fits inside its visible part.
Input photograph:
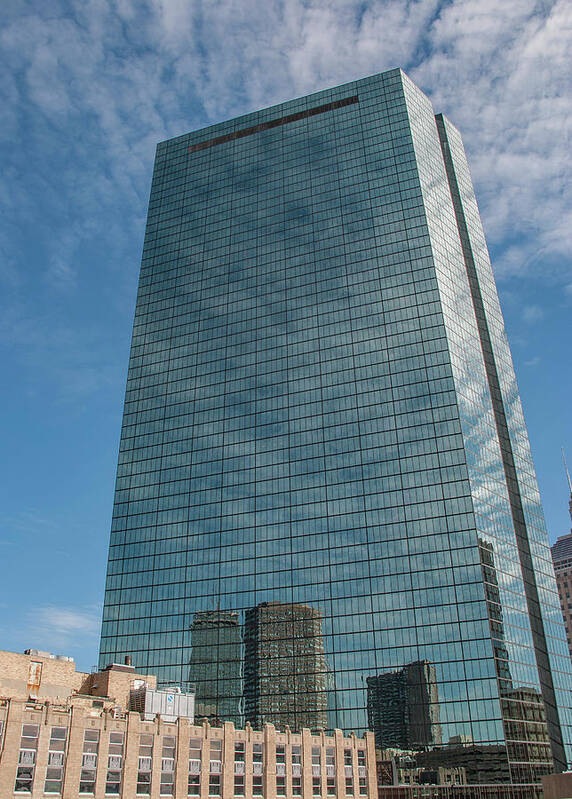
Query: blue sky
(90, 86)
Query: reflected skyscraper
(216, 666)
(495, 612)
(403, 707)
(321, 411)
(285, 674)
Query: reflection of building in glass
(403, 707)
(523, 712)
(321, 409)
(483, 765)
(528, 743)
(495, 614)
(285, 674)
(216, 665)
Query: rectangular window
(195, 752)
(316, 771)
(194, 785)
(296, 770)
(215, 763)
(257, 767)
(214, 784)
(239, 784)
(56, 760)
(27, 758)
(257, 753)
(239, 767)
(331, 770)
(145, 764)
(114, 764)
(362, 771)
(89, 761)
(239, 751)
(168, 765)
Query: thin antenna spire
(569, 484)
(566, 470)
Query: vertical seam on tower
(507, 456)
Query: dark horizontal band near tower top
(274, 123)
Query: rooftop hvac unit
(166, 702)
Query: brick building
(562, 560)
(74, 735)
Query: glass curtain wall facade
(322, 433)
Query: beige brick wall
(80, 715)
(59, 678)
(115, 684)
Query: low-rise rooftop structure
(70, 734)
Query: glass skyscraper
(322, 434)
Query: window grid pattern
(56, 760)
(114, 763)
(27, 757)
(145, 764)
(309, 438)
(90, 753)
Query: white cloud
(108, 79)
(532, 314)
(67, 621)
(63, 630)
(503, 73)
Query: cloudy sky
(88, 87)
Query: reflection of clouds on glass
(333, 414)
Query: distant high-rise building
(562, 560)
(321, 411)
(285, 673)
(216, 666)
(403, 707)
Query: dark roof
(562, 549)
